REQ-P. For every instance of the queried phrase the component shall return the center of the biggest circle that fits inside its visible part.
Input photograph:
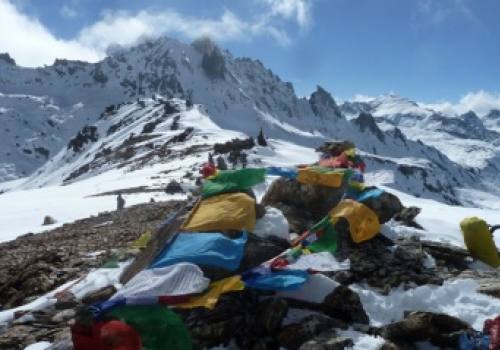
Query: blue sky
(428, 50)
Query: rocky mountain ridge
(70, 98)
(467, 138)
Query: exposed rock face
(213, 61)
(365, 121)
(323, 104)
(84, 136)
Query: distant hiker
(120, 202)
(261, 140)
(221, 163)
(48, 220)
(243, 159)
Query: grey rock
(327, 341)
(388, 345)
(407, 217)
(270, 314)
(64, 316)
(174, 187)
(99, 295)
(294, 335)
(385, 206)
(65, 301)
(490, 287)
(450, 255)
(302, 203)
(344, 304)
(440, 329)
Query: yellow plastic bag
(142, 241)
(230, 211)
(313, 177)
(479, 241)
(209, 299)
(363, 222)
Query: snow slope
(24, 205)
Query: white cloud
(124, 29)
(32, 44)
(439, 11)
(298, 10)
(67, 12)
(362, 98)
(481, 102)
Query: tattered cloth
(211, 296)
(225, 181)
(320, 176)
(111, 335)
(205, 249)
(230, 211)
(363, 222)
(179, 279)
(264, 278)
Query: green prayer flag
(159, 327)
(233, 181)
(328, 240)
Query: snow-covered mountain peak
(492, 120)
(237, 95)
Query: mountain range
(163, 99)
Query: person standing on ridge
(120, 202)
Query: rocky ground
(32, 265)
(35, 264)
